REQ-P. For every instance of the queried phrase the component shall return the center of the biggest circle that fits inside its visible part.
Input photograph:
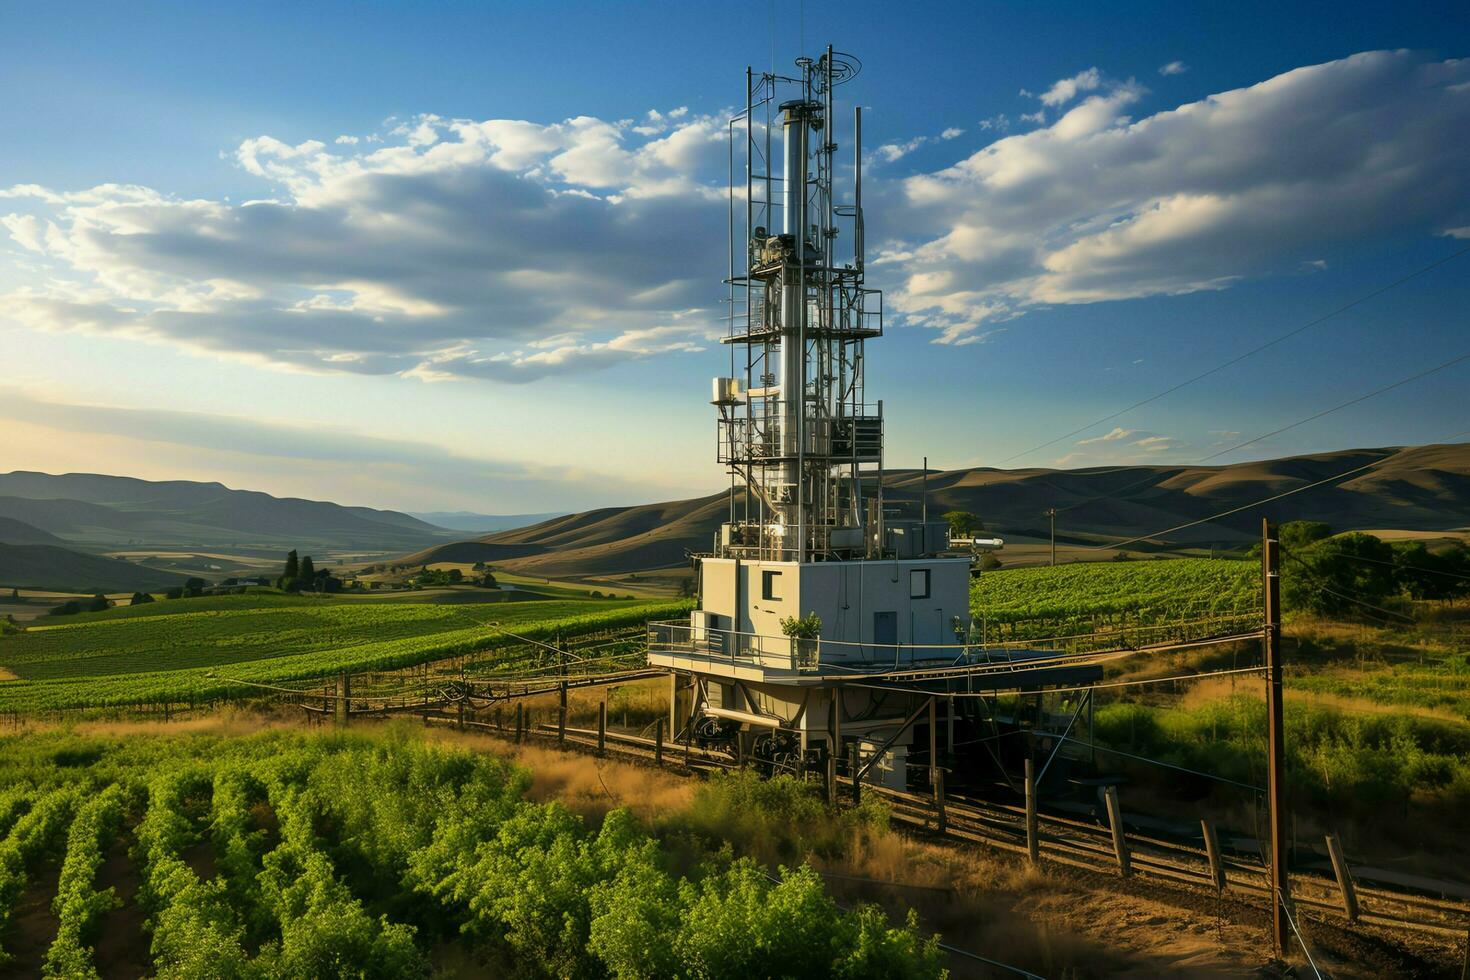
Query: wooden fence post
(1212, 853)
(831, 780)
(344, 698)
(658, 743)
(1033, 836)
(561, 716)
(939, 800)
(601, 727)
(857, 792)
(1344, 878)
(1115, 820)
(520, 722)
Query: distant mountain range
(463, 520)
(107, 512)
(1415, 488)
(48, 523)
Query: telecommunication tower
(812, 592)
(795, 429)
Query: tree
(1425, 574)
(293, 568)
(1299, 535)
(1337, 576)
(194, 586)
(989, 563)
(308, 570)
(140, 597)
(963, 524)
(98, 603)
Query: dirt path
(122, 943)
(32, 923)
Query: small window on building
(919, 583)
(771, 585)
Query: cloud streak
(268, 455)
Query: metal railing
(758, 437)
(796, 654)
(808, 656)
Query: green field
(1026, 603)
(190, 650)
(289, 855)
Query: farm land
(1378, 742)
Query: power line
(1312, 574)
(1241, 357)
(1234, 510)
(1336, 408)
(1312, 418)
(1412, 568)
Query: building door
(885, 628)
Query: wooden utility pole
(1051, 514)
(1275, 734)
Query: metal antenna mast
(795, 431)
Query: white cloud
(456, 247)
(889, 152)
(897, 150)
(1065, 90)
(1115, 435)
(1173, 68)
(1157, 444)
(1099, 206)
(446, 251)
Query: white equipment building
(807, 531)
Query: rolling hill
(1419, 488)
(94, 511)
(44, 566)
(19, 532)
(464, 520)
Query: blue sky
(445, 256)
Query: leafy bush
(32, 834)
(78, 905)
(782, 817)
(807, 627)
(444, 836)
